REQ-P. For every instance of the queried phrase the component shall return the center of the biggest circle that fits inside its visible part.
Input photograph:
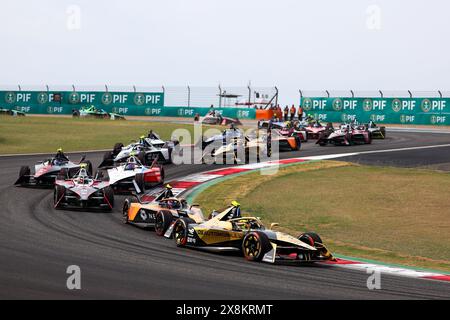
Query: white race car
(133, 175)
(147, 149)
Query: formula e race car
(230, 133)
(249, 236)
(12, 112)
(45, 172)
(314, 129)
(147, 149)
(376, 132)
(213, 117)
(133, 176)
(93, 112)
(346, 135)
(82, 191)
(159, 213)
(287, 129)
(238, 150)
(286, 142)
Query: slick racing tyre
(163, 219)
(310, 238)
(180, 232)
(117, 148)
(255, 245)
(125, 207)
(24, 174)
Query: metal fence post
(189, 96)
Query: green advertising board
(420, 111)
(41, 102)
(125, 103)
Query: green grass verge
(395, 215)
(46, 134)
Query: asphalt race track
(37, 244)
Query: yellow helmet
(234, 203)
(142, 137)
(59, 150)
(168, 186)
(83, 165)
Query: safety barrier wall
(125, 103)
(420, 111)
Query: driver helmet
(236, 204)
(214, 213)
(168, 186)
(131, 163)
(82, 174)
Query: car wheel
(310, 238)
(125, 207)
(180, 232)
(117, 147)
(163, 220)
(255, 245)
(24, 174)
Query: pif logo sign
(337, 104)
(367, 105)
(153, 111)
(396, 105)
(406, 119)
(42, 98)
(107, 98)
(307, 104)
(74, 98)
(139, 99)
(437, 119)
(426, 105)
(243, 114)
(10, 97)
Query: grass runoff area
(46, 134)
(394, 215)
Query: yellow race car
(249, 236)
(159, 213)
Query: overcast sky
(326, 44)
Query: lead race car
(82, 191)
(213, 117)
(147, 148)
(248, 236)
(93, 112)
(46, 171)
(11, 112)
(133, 175)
